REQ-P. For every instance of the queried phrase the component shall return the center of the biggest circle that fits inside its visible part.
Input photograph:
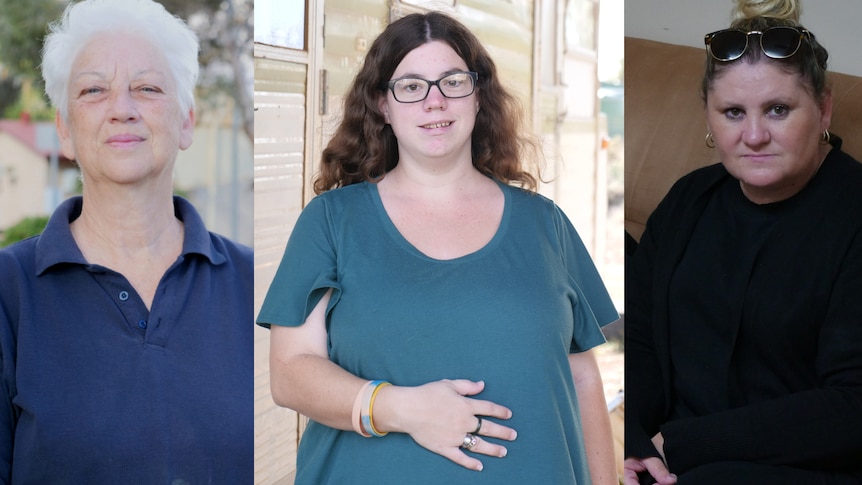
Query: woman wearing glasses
(743, 335)
(431, 319)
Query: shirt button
(124, 295)
(142, 324)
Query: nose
(755, 132)
(435, 99)
(123, 106)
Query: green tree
(22, 28)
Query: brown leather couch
(665, 125)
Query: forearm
(315, 387)
(815, 428)
(598, 439)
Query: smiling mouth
(442, 124)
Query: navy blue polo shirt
(97, 389)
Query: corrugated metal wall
(279, 147)
(506, 30)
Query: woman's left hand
(439, 416)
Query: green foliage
(10, 90)
(29, 101)
(22, 28)
(29, 226)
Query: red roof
(24, 131)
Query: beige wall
(23, 179)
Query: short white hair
(83, 20)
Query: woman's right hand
(438, 416)
(652, 465)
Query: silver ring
(469, 442)
(478, 426)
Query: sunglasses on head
(778, 42)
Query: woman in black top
(743, 313)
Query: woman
(124, 354)
(471, 303)
(743, 343)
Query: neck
(126, 221)
(434, 178)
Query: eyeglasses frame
(803, 33)
(473, 74)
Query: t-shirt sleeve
(307, 269)
(593, 308)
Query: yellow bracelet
(365, 414)
(373, 430)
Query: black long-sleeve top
(744, 325)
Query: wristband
(373, 430)
(356, 419)
(369, 393)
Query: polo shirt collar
(57, 246)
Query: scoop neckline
(402, 241)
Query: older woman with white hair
(126, 350)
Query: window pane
(280, 23)
(581, 24)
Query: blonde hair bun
(781, 9)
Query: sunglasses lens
(780, 42)
(728, 45)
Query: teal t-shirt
(508, 314)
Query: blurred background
(215, 174)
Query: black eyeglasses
(778, 42)
(415, 89)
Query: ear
(67, 147)
(187, 130)
(383, 106)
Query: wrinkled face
(767, 129)
(124, 124)
(437, 127)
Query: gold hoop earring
(709, 140)
(825, 138)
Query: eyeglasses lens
(780, 42)
(728, 45)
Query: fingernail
(514, 435)
(504, 452)
(480, 467)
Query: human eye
(778, 111)
(411, 85)
(454, 81)
(92, 93)
(148, 89)
(734, 113)
(91, 90)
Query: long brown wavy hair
(364, 147)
